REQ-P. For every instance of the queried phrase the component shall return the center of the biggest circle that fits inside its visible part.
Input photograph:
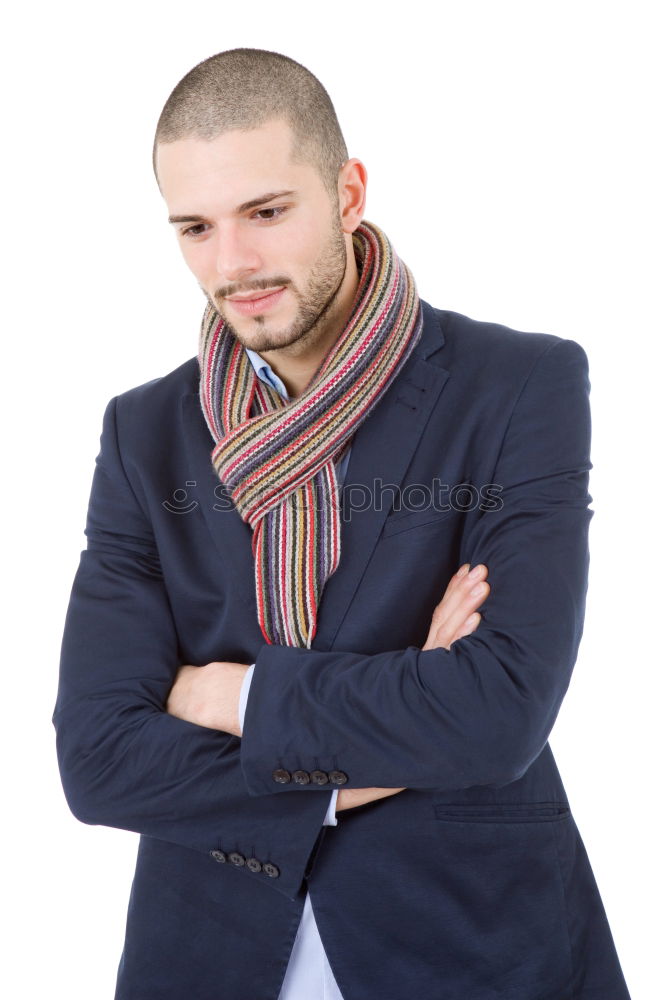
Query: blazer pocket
(501, 865)
(404, 520)
(510, 812)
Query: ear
(352, 184)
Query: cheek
(293, 248)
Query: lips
(261, 304)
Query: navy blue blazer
(474, 882)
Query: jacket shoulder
(497, 352)
(483, 333)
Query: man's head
(240, 126)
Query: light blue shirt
(309, 975)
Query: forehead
(231, 168)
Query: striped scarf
(277, 459)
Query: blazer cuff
(330, 818)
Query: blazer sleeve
(124, 761)
(481, 712)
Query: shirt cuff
(242, 699)
(330, 819)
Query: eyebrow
(245, 207)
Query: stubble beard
(315, 304)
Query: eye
(197, 230)
(277, 210)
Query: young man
(274, 667)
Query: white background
(516, 163)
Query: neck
(297, 363)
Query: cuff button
(271, 870)
(218, 856)
(237, 859)
(281, 776)
(319, 777)
(338, 777)
(253, 864)
(301, 777)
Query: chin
(260, 338)
(263, 334)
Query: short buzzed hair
(244, 89)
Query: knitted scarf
(277, 459)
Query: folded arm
(480, 712)
(124, 761)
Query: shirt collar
(266, 373)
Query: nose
(236, 256)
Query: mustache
(256, 286)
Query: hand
(208, 696)
(454, 617)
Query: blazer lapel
(381, 452)
(229, 532)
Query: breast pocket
(406, 520)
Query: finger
(470, 625)
(465, 596)
(455, 581)
(461, 582)
(449, 624)
(470, 591)
(446, 636)
(467, 604)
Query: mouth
(257, 304)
